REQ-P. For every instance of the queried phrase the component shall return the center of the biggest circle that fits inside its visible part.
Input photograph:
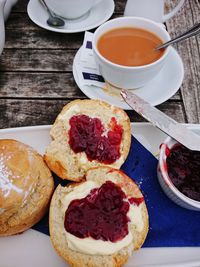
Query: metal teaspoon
(189, 33)
(53, 20)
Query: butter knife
(166, 124)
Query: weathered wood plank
(21, 6)
(39, 85)
(39, 39)
(190, 53)
(28, 35)
(42, 85)
(15, 113)
(37, 60)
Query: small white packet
(87, 69)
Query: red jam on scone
(88, 135)
(103, 217)
(102, 214)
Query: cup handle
(174, 11)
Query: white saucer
(101, 12)
(157, 91)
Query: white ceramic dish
(34, 249)
(157, 91)
(171, 191)
(98, 14)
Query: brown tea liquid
(130, 46)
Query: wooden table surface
(36, 78)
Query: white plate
(34, 249)
(157, 91)
(98, 14)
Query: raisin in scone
(100, 221)
(26, 187)
(88, 133)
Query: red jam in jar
(183, 166)
(88, 135)
(102, 214)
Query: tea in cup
(71, 9)
(124, 49)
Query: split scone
(100, 221)
(26, 187)
(88, 133)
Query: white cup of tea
(150, 9)
(71, 9)
(123, 75)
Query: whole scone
(88, 133)
(26, 186)
(98, 222)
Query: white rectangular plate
(34, 249)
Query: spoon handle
(189, 33)
(48, 9)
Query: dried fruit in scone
(88, 133)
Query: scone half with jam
(100, 221)
(86, 134)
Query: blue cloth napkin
(170, 225)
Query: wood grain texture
(36, 77)
(43, 85)
(30, 36)
(39, 85)
(190, 53)
(24, 112)
(37, 60)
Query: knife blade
(159, 119)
